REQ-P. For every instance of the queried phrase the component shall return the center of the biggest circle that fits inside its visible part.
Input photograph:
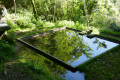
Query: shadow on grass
(24, 71)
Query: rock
(82, 33)
(87, 31)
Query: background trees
(99, 12)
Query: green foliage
(65, 23)
(106, 16)
(39, 23)
(99, 20)
(10, 37)
(22, 23)
(49, 24)
(26, 4)
(6, 50)
(109, 32)
(12, 24)
(114, 27)
(63, 10)
(100, 13)
(8, 3)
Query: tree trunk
(86, 13)
(54, 11)
(34, 9)
(15, 7)
(67, 11)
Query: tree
(34, 9)
(15, 7)
(86, 13)
(54, 11)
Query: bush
(40, 23)
(31, 25)
(114, 27)
(12, 24)
(6, 50)
(49, 24)
(10, 37)
(65, 23)
(33, 20)
(22, 23)
(82, 19)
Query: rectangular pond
(70, 47)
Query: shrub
(6, 50)
(33, 20)
(31, 25)
(82, 19)
(40, 23)
(10, 37)
(114, 27)
(49, 24)
(12, 24)
(64, 23)
(23, 23)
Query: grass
(12, 67)
(6, 51)
(24, 71)
(106, 67)
(110, 32)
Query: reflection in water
(74, 76)
(101, 44)
(67, 46)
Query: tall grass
(6, 51)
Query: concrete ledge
(73, 29)
(44, 33)
(4, 27)
(103, 37)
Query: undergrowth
(6, 51)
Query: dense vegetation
(27, 17)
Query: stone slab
(4, 27)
